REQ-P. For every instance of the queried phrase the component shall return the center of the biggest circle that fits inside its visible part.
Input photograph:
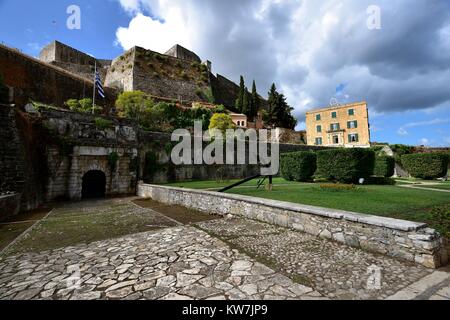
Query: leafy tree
(221, 122)
(133, 104)
(240, 99)
(4, 91)
(255, 102)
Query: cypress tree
(255, 103)
(246, 108)
(240, 99)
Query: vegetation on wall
(133, 105)
(298, 166)
(441, 219)
(83, 106)
(113, 157)
(345, 165)
(103, 124)
(426, 165)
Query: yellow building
(339, 126)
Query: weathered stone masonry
(400, 239)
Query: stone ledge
(395, 224)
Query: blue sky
(313, 51)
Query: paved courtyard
(214, 259)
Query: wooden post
(270, 183)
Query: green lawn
(221, 184)
(391, 201)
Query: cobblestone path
(218, 259)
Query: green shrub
(441, 219)
(384, 166)
(426, 165)
(298, 166)
(345, 165)
(103, 124)
(382, 181)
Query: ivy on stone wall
(113, 157)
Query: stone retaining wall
(399, 239)
(9, 205)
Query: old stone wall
(21, 157)
(159, 145)
(9, 205)
(32, 79)
(82, 146)
(399, 239)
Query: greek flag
(98, 84)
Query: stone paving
(335, 270)
(229, 258)
(175, 263)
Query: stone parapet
(403, 240)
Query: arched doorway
(94, 185)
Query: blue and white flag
(98, 84)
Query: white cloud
(424, 142)
(402, 132)
(158, 36)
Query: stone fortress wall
(30, 79)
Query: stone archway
(94, 185)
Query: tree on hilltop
(240, 100)
(255, 102)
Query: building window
(335, 139)
(352, 124)
(353, 138)
(243, 124)
(318, 141)
(318, 117)
(239, 123)
(319, 129)
(335, 127)
(351, 112)
(334, 115)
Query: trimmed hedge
(426, 165)
(384, 166)
(298, 166)
(345, 165)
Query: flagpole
(95, 82)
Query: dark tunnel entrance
(94, 185)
